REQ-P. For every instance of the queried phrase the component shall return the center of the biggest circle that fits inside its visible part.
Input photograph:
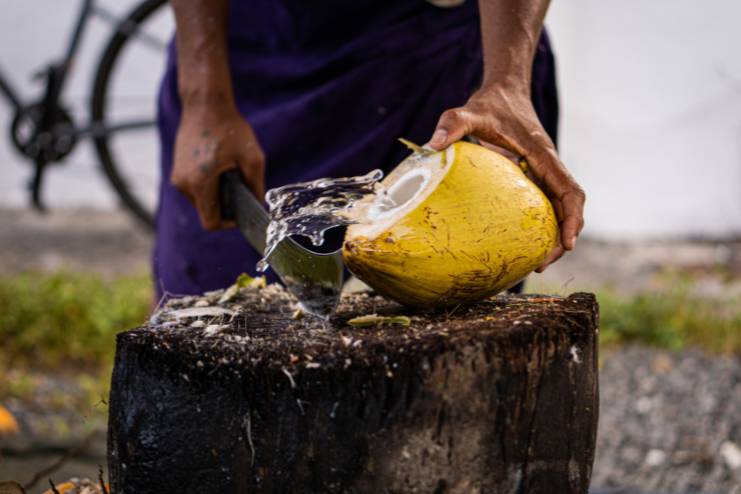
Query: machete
(313, 275)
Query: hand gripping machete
(312, 274)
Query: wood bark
(498, 397)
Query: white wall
(651, 98)
(651, 119)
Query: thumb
(452, 126)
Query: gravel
(669, 422)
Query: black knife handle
(239, 204)
(227, 183)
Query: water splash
(311, 208)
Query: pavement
(105, 242)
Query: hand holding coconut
(501, 113)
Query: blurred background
(650, 127)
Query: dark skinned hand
(212, 139)
(503, 117)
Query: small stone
(654, 458)
(198, 324)
(201, 303)
(731, 454)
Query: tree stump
(244, 396)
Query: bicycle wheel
(123, 106)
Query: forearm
(203, 63)
(510, 30)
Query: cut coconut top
(405, 188)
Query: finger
(553, 256)
(185, 190)
(252, 166)
(182, 186)
(251, 162)
(557, 208)
(452, 126)
(573, 211)
(565, 194)
(207, 204)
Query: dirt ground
(669, 422)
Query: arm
(212, 137)
(501, 112)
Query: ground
(669, 420)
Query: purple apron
(328, 86)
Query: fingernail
(439, 137)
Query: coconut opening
(407, 186)
(404, 190)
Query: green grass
(52, 320)
(672, 319)
(57, 341)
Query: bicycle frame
(55, 133)
(57, 71)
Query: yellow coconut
(454, 227)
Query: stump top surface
(258, 326)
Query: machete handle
(227, 183)
(239, 204)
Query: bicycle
(44, 131)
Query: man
(293, 90)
